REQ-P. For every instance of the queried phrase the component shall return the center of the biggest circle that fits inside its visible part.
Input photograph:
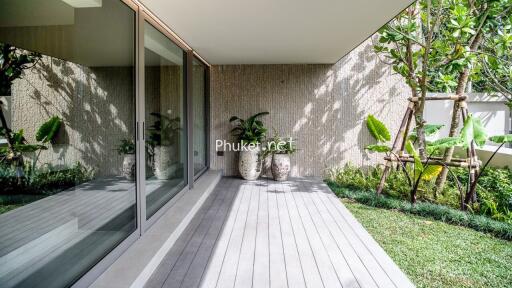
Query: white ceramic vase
(129, 167)
(164, 157)
(280, 166)
(249, 164)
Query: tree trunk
(454, 125)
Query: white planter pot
(163, 163)
(280, 166)
(129, 167)
(249, 164)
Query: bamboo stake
(433, 162)
(400, 135)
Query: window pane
(199, 101)
(67, 197)
(165, 119)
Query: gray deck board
(276, 234)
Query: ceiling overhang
(274, 31)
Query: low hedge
(425, 209)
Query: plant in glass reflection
(164, 131)
(19, 146)
(127, 149)
(12, 64)
(127, 146)
(163, 147)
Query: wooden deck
(276, 234)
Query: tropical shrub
(42, 181)
(250, 130)
(427, 209)
(494, 190)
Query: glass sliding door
(67, 152)
(199, 114)
(165, 126)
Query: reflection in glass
(199, 102)
(66, 197)
(165, 119)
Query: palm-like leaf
(377, 129)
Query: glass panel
(165, 119)
(67, 198)
(199, 101)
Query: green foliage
(494, 189)
(426, 209)
(278, 145)
(47, 132)
(377, 129)
(430, 130)
(12, 63)
(42, 181)
(500, 139)
(20, 146)
(249, 131)
(454, 26)
(473, 130)
(164, 131)
(378, 148)
(127, 146)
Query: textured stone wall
(96, 104)
(322, 106)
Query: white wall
(492, 110)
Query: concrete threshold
(135, 266)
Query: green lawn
(436, 254)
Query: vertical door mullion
(141, 143)
(190, 117)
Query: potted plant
(127, 148)
(249, 134)
(163, 140)
(280, 149)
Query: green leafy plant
(164, 131)
(278, 145)
(421, 169)
(377, 129)
(127, 146)
(426, 209)
(13, 62)
(250, 130)
(47, 132)
(42, 181)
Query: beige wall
(96, 104)
(322, 106)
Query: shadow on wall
(322, 106)
(96, 105)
